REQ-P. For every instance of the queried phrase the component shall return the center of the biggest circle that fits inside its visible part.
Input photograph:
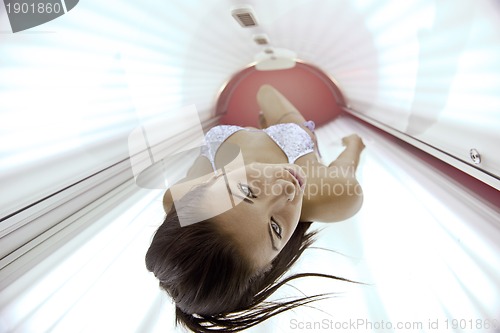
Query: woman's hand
(353, 140)
(349, 158)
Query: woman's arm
(348, 160)
(334, 194)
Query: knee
(265, 90)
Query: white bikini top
(293, 140)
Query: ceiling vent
(245, 16)
(261, 39)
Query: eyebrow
(239, 196)
(272, 239)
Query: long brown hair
(214, 288)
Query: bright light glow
(424, 253)
(67, 112)
(71, 94)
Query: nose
(281, 190)
(282, 184)
(289, 190)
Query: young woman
(236, 228)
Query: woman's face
(266, 206)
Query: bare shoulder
(332, 194)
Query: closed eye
(276, 228)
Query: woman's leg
(276, 109)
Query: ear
(167, 201)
